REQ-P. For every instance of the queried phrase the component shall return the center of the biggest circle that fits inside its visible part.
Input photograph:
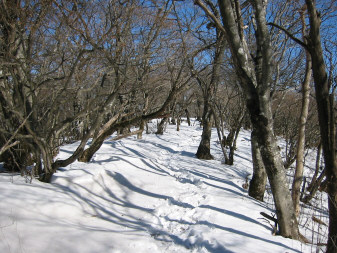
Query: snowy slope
(149, 195)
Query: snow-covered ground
(149, 195)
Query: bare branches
(290, 35)
(211, 15)
(8, 144)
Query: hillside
(149, 195)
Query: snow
(149, 195)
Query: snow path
(149, 195)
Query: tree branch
(291, 36)
(211, 15)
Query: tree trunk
(141, 127)
(255, 79)
(161, 126)
(94, 146)
(220, 137)
(314, 186)
(296, 187)
(209, 90)
(257, 185)
(188, 117)
(325, 107)
(317, 167)
(261, 119)
(204, 149)
(97, 142)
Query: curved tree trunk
(89, 152)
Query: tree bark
(314, 186)
(257, 185)
(161, 126)
(188, 117)
(297, 181)
(262, 124)
(204, 149)
(209, 89)
(317, 167)
(325, 107)
(141, 128)
(255, 78)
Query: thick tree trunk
(255, 79)
(257, 185)
(261, 118)
(325, 107)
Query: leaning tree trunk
(325, 107)
(257, 185)
(314, 186)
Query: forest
(80, 73)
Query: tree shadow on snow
(107, 207)
(113, 207)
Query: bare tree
(168, 70)
(209, 86)
(80, 70)
(325, 107)
(255, 79)
(296, 187)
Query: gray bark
(255, 81)
(296, 186)
(257, 185)
(209, 89)
(325, 107)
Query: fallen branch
(274, 227)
